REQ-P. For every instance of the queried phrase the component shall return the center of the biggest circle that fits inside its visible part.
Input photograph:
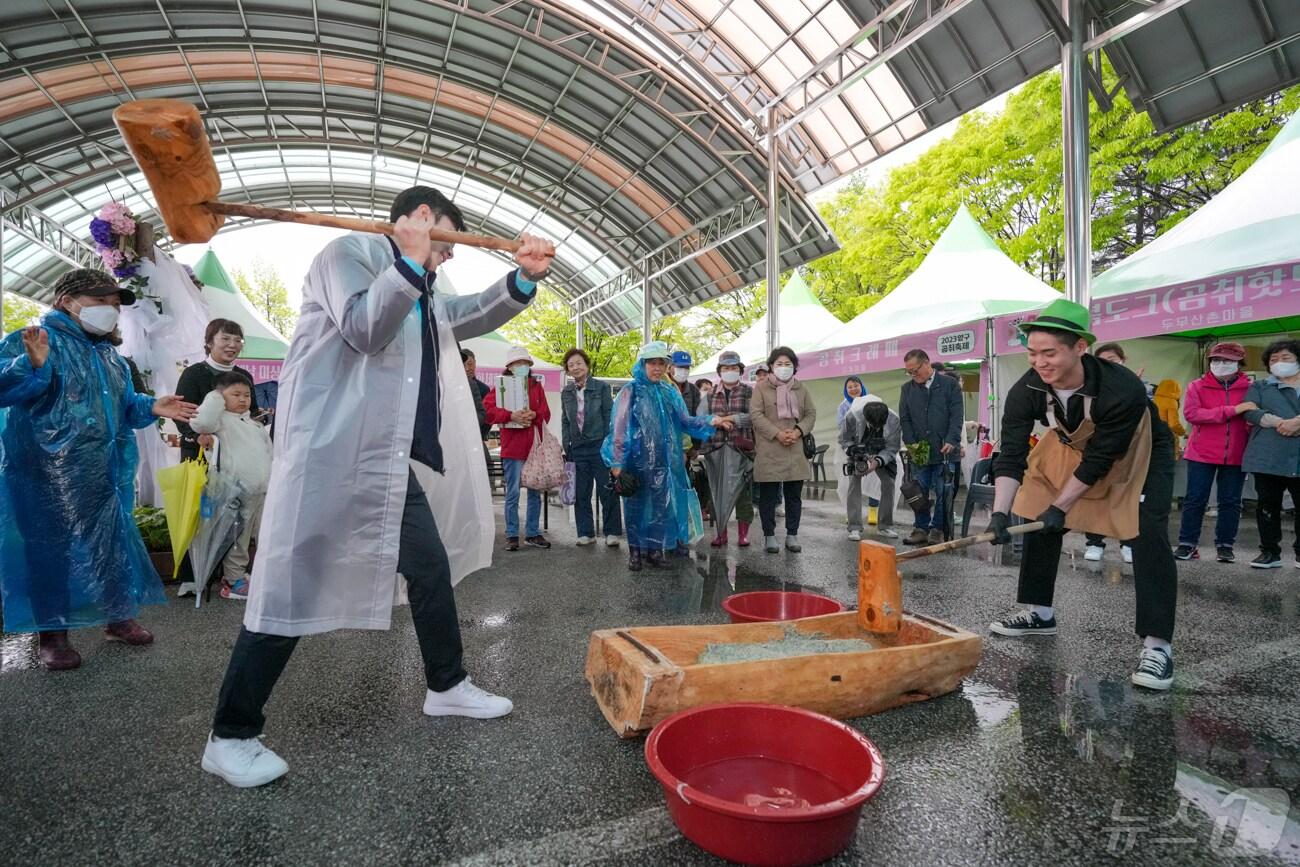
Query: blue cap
(681, 358)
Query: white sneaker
(586, 540)
(611, 541)
(887, 532)
(855, 535)
(1093, 553)
(242, 762)
(466, 699)
(1127, 553)
(780, 511)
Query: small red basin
(766, 605)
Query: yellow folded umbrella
(182, 490)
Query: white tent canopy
(964, 278)
(803, 323)
(490, 353)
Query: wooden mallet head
(880, 588)
(167, 140)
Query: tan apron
(1110, 507)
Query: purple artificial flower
(101, 231)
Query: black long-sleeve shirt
(1118, 400)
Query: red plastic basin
(762, 783)
(765, 605)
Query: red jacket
(516, 443)
(1218, 433)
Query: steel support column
(579, 330)
(647, 303)
(1077, 186)
(773, 232)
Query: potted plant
(152, 524)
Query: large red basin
(762, 783)
(766, 605)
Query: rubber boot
(633, 559)
(721, 539)
(743, 541)
(654, 558)
(54, 651)
(792, 544)
(769, 545)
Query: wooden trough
(641, 675)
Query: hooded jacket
(245, 445)
(1218, 433)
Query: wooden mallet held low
(880, 587)
(167, 140)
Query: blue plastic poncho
(70, 552)
(646, 430)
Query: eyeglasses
(230, 338)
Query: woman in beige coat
(781, 412)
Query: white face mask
(98, 320)
(785, 374)
(520, 370)
(1223, 369)
(1284, 369)
(680, 373)
(731, 377)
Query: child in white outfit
(245, 452)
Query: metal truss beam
(51, 236)
(1129, 25)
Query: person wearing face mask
(647, 426)
(519, 431)
(1273, 453)
(782, 413)
(731, 399)
(223, 340)
(706, 396)
(71, 556)
(1215, 408)
(586, 404)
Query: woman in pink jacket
(1214, 406)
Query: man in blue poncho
(70, 553)
(660, 510)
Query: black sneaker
(1224, 554)
(1024, 623)
(1187, 552)
(1267, 561)
(1155, 669)
(537, 542)
(512, 543)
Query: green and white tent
(804, 321)
(965, 277)
(225, 301)
(1252, 224)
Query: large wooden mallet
(880, 587)
(167, 139)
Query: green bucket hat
(653, 349)
(1061, 315)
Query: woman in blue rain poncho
(70, 552)
(645, 441)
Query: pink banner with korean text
(262, 369)
(956, 343)
(1219, 302)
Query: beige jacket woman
(774, 462)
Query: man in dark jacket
(585, 405)
(478, 388)
(930, 411)
(1105, 465)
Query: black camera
(858, 461)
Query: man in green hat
(1105, 465)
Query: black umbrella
(729, 471)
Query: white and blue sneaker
(1155, 669)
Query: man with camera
(871, 441)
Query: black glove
(998, 527)
(1053, 520)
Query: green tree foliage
(1007, 169)
(19, 312)
(265, 290)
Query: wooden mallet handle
(957, 544)
(230, 209)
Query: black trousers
(258, 659)
(769, 496)
(1268, 510)
(1155, 574)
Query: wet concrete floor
(1046, 754)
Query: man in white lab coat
(372, 393)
